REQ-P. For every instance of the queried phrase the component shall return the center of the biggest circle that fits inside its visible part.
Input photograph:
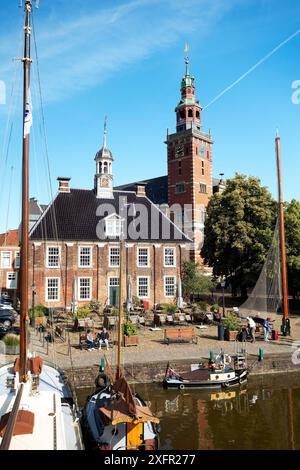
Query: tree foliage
(238, 230)
(194, 281)
(292, 239)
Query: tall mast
(25, 197)
(282, 234)
(120, 325)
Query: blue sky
(125, 59)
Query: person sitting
(90, 340)
(103, 337)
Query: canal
(263, 415)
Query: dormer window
(113, 225)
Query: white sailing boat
(37, 410)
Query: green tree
(194, 281)
(238, 231)
(292, 239)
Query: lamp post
(223, 296)
(32, 317)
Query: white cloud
(79, 52)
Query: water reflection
(256, 417)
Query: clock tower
(189, 165)
(104, 175)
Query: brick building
(9, 262)
(75, 244)
(184, 193)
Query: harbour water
(263, 415)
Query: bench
(180, 334)
(84, 345)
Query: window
(114, 257)
(143, 287)
(52, 289)
(5, 259)
(113, 282)
(190, 113)
(197, 115)
(11, 281)
(203, 188)
(105, 167)
(84, 288)
(179, 168)
(53, 257)
(170, 286)
(113, 227)
(202, 167)
(85, 256)
(17, 259)
(169, 260)
(180, 188)
(143, 258)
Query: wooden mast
(120, 322)
(25, 198)
(282, 233)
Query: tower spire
(187, 60)
(105, 132)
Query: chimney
(140, 189)
(63, 184)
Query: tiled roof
(10, 238)
(156, 189)
(73, 216)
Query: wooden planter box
(230, 335)
(131, 340)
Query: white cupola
(104, 175)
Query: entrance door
(113, 295)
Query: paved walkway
(152, 349)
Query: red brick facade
(9, 262)
(100, 271)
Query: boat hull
(238, 379)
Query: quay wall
(154, 371)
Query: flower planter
(131, 340)
(230, 335)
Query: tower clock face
(105, 183)
(179, 151)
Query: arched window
(197, 115)
(181, 114)
(190, 113)
(100, 167)
(105, 168)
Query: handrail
(8, 434)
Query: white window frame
(165, 285)
(90, 265)
(111, 265)
(17, 257)
(14, 286)
(115, 223)
(47, 287)
(47, 256)
(2, 259)
(174, 257)
(138, 257)
(90, 287)
(138, 286)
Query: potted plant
(12, 343)
(40, 312)
(82, 312)
(232, 326)
(130, 334)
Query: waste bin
(221, 331)
(275, 335)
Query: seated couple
(102, 337)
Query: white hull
(56, 426)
